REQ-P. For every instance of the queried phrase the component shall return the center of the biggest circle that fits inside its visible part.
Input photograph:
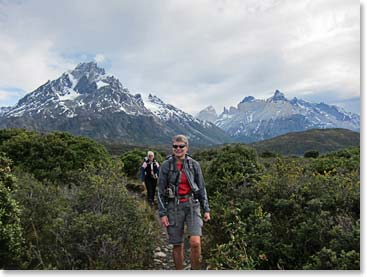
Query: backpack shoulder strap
(171, 166)
(170, 162)
(189, 160)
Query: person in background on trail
(149, 176)
(181, 195)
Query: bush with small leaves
(11, 237)
(296, 214)
(311, 154)
(93, 224)
(56, 156)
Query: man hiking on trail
(181, 194)
(149, 176)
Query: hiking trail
(163, 259)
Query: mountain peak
(208, 114)
(210, 109)
(278, 96)
(86, 76)
(155, 99)
(87, 69)
(262, 119)
(88, 102)
(248, 99)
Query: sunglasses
(177, 146)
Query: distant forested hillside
(321, 140)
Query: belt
(185, 196)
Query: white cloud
(190, 53)
(27, 66)
(99, 58)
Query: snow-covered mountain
(182, 122)
(208, 114)
(4, 110)
(87, 87)
(256, 119)
(87, 101)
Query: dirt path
(163, 253)
(163, 259)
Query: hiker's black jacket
(194, 176)
(145, 170)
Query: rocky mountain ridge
(86, 101)
(257, 119)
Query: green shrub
(56, 156)
(235, 167)
(328, 259)
(339, 162)
(294, 215)
(94, 224)
(268, 154)
(10, 228)
(206, 155)
(311, 154)
(229, 176)
(132, 161)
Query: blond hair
(181, 138)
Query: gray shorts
(185, 215)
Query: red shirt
(183, 185)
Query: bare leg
(178, 256)
(195, 252)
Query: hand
(143, 183)
(164, 221)
(206, 217)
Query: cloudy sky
(191, 53)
